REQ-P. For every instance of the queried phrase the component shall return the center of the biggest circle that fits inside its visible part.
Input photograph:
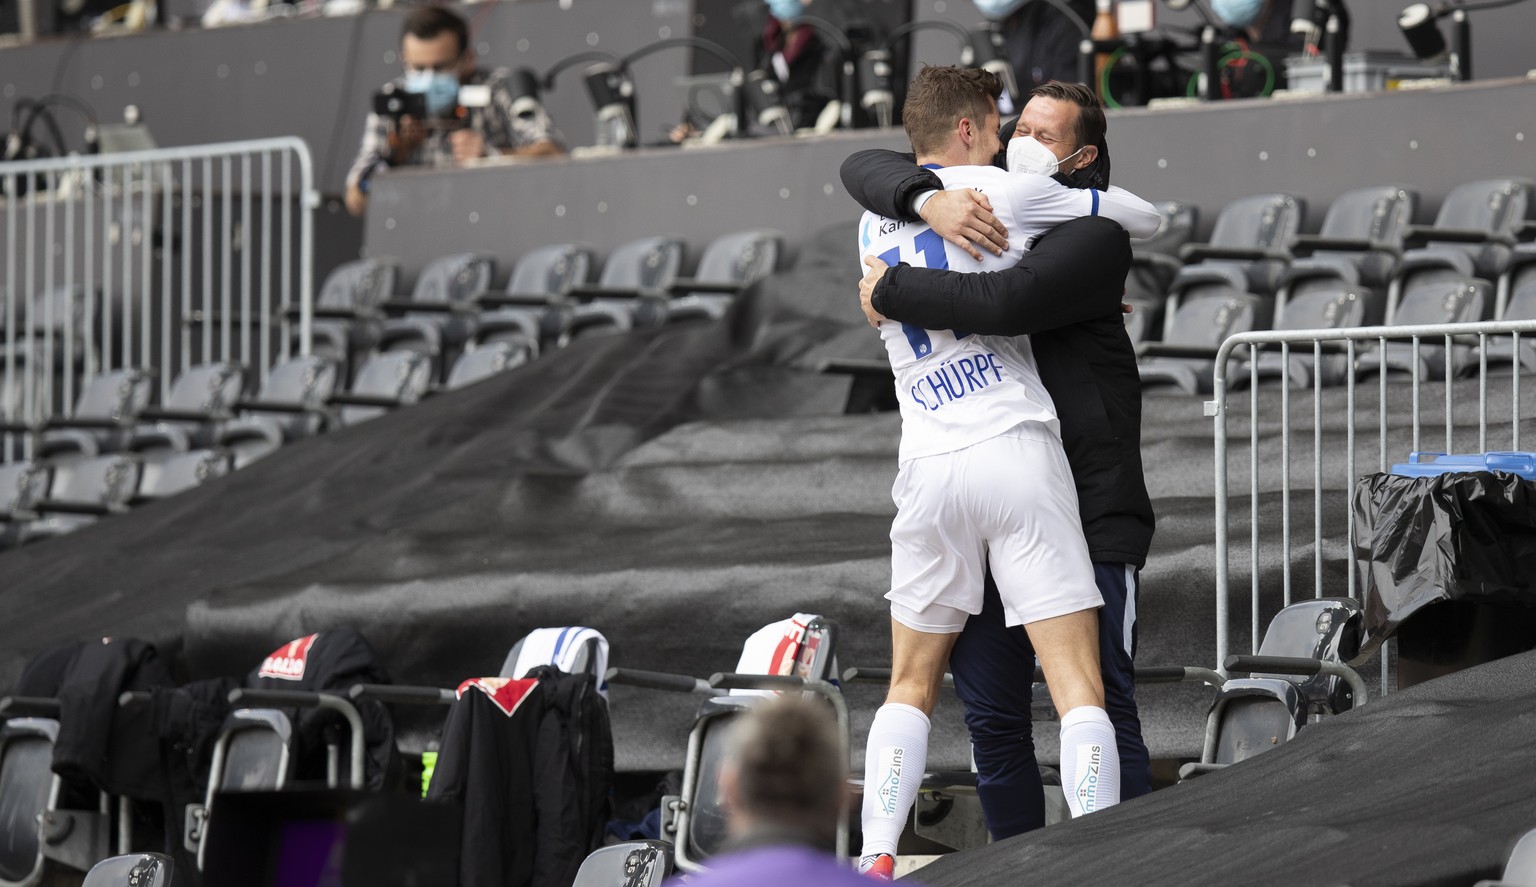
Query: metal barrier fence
(1403, 423)
(161, 259)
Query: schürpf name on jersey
(954, 379)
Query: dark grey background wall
(314, 78)
(1501, 38)
(1209, 155)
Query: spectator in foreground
(784, 786)
(438, 61)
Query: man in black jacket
(1065, 294)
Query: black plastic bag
(1420, 541)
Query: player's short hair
(939, 96)
(1090, 111)
(790, 765)
(426, 22)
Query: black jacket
(1065, 295)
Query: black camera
(397, 103)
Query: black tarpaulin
(1431, 786)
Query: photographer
(434, 48)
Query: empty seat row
(549, 301)
(1368, 265)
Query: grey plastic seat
(483, 363)
(1199, 328)
(88, 490)
(291, 404)
(181, 472)
(1519, 866)
(1359, 245)
(1155, 264)
(103, 417)
(439, 315)
(201, 400)
(1517, 301)
(1316, 310)
(26, 781)
(255, 751)
(387, 381)
(349, 308)
(632, 864)
(132, 870)
(1459, 300)
(1254, 714)
(1249, 246)
(730, 264)
(524, 316)
(630, 292)
(22, 485)
(1473, 236)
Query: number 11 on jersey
(927, 251)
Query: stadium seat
(1154, 265)
(88, 490)
(290, 405)
(1519, 866)
(1300, 672)
(77, 833)
(1248, 250)
(201, 400)
(1359, 246)
(438, 318)
(795, 653)
(540, 280)
(387, 381)
(181, 472)
(1458, 300)
(287, 722)
(1473, 236)
(1517, 301)
(484, 362)
(132, 870)
(630, 292)
(1319, 309)
(1186, 356)
(22, 484)
(105, 412)
(730, 264)
(348, 312)
(572, 649)
(630, 864)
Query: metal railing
(1404, 422)
(161, 259)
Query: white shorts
(1009, 500)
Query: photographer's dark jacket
(1065, 295)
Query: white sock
(1090, 760)
(894, 761)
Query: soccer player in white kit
(983, 476)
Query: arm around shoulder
(885, 182)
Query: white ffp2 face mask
(1027, 155)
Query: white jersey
(956, 389)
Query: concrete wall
(1209, 155)
(314, 78)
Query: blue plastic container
(1435, 464)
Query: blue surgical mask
(997, 9)
(440, 88)
(784, 10)
(1237, 13)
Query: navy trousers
(992, 665)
